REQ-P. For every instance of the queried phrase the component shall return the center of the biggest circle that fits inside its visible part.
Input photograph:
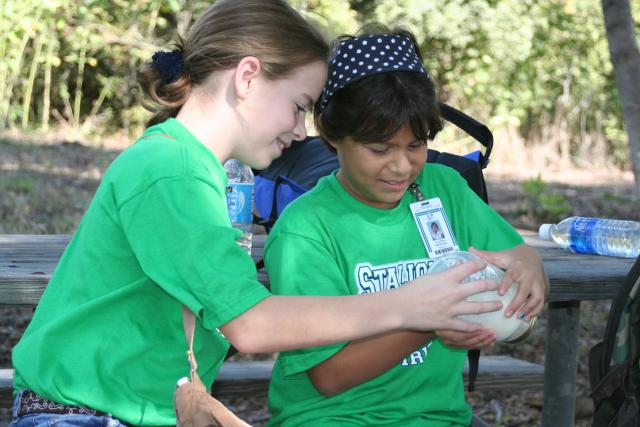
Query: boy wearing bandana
(355, 233)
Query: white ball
(505, 328)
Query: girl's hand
(467, 340)
(434, 301)
(524, 267)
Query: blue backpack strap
(264, 201)
(271, 197)
(287, 190)
(289, 176)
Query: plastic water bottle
(595, 236)
(240, 187)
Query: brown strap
(189, 323)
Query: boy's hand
(467, 340)
(524, 267)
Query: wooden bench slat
(22, 291)
(27, 262)
(6, 388)
(26, 290)
(251, 379)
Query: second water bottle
(595, 236)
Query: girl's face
(274, 115)
(378, 174)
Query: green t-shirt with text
(108, 331)
(328, 243)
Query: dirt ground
(45, 187)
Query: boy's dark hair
(374, 108)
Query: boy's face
(378, 174)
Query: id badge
(434, 227)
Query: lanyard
(415, 191)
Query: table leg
(560, 364)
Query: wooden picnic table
(27, 262)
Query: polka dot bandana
(358, 57)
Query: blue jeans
(59, 420)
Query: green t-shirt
(328, 243)
(108, 331)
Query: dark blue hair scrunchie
(168, 64)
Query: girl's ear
(245, 76)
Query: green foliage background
(537, 67)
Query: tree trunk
(625, 57)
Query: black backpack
(305, 162)
(614, 363)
